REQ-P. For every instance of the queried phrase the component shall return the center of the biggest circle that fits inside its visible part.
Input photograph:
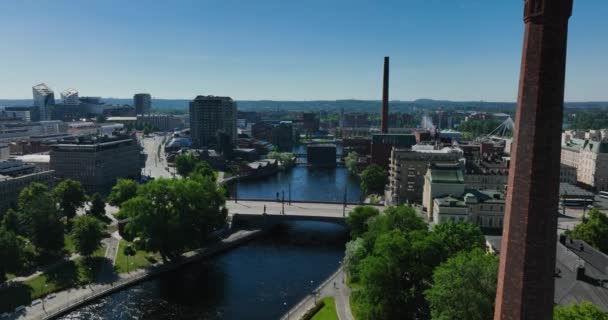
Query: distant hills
(337, 105)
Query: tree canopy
(593, 230)
(392, 261)
(464, 287)
(172, 215)
(351, 161)
(87, 234)
(41, 220)
(185, 163)
(10, 252)
(123, 190)
(71, 196)
(98, 206)
(373, 179)
(357, 220)
(579, 311)
(204, 169)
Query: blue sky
(286, 50)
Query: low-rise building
(97, 162)
(484, 208)
(441, 179)
(589, 157)
(486, 174)
(16, 175)
(321, 155)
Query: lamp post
(283, 200)
(344, 207)
(290, 193)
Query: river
(259, 280)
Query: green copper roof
(447, 175)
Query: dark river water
(258, 280)
(306, 183)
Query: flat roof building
(97, 162)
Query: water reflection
(259, 280)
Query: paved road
(296, 208)
(156, 163)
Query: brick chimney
(527, 257)
(384, 116)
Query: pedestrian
(264, 209)
(334, 284)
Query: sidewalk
(334, 286)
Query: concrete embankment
(69, 300)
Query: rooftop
(447, 173)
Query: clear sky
(285, 49)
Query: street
(156, 163)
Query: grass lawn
(328, 312)
(139, 260)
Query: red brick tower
(384, 116)
(527, 257)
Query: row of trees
(42, 218)
(404, 271)
(392, 259)
(475, 128)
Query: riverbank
(335, 286)
(65, 301)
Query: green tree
(373, 179)
(354, 253)
(593, 230)
(11, 222)
(579, 311)
(464, 287)
(172, 215)
(458, 236)
(394, 276)
(358, 219)
(98, 206)
(87, 234)
(123, 190)
(351, 161)
(70, 195)
(41, 219)
(185, 163)
(204, 169)
(11, 251)
(402, 218)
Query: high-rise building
(44, 98)
(208, 116)
(70, 97)
(142, 103)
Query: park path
(335, 286)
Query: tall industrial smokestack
(384, 117)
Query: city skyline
(466, 51)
